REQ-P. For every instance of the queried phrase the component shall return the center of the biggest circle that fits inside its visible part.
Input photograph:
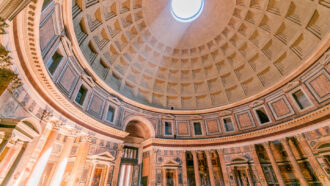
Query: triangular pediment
(105, 156)
(170, 163)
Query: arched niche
(139, 129)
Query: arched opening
(139, 129)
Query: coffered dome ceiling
(233, 50)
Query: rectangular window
(110, 114)
(168, 128)
(53, 62)
(228, 124)
(301, 99)
(262, 115)
(197, 128)
(81, 95)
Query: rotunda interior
(164, 92)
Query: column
(184, 168)
(209, 164)
(223, 167)
(10, 158)
(61, 163)
(117, 165)
(294, 163)
(312, 160)
(8, 155)
(258, 165)
(274, 164)
(106, 174)
(92, 174)
(79, 163)
(4, 142)
(196, 169)
(14, 166)
(44, 155)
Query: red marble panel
(280, 108)
(47, 32)
(244, 120)
(183, 128)
(67, 79)
(96, 104)
(321, 85)
(212, 126)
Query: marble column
(196, 168)
(258, 166)
(92, 173)
(10, 158)
(210, 166)
(117, 165)
(184, 168)
(312, 160)
(79, 163)
(294, 163)
(5, 139)
(8, 155)
(274, 164)
(62, 161)
(107, 169)
(14, 165)
(44, 155)
(223, 167)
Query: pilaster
(196, 168)
(223, 167)
(274, 164)
(210, 166)
(256, 161)
(294, 163)
(312, 160)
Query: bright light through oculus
(186, 10)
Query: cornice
(304, 123)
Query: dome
(164, 92)
(231, 52)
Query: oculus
(186, 10)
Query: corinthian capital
(86, 138)
(57, 124)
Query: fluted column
(106, 174)
(14, 165)
(10, 158)
(61, 163)
(294, 163)
(4, 142)
(7, 156)
(44, 154)
(117, 165)
(210, 166)
(184, 168)
(258, 165)
(196, 169)
(223, 167)
(79, 163)
(312, 160)
(92, 174)
(274, 164)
